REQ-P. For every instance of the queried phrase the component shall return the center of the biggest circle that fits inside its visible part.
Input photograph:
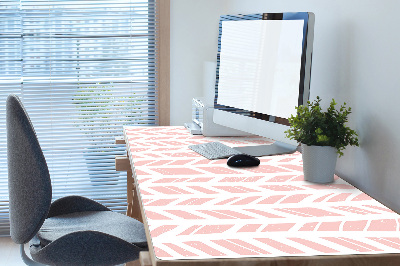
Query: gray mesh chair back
(28, 176)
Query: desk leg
(144, 260)
(129, 192)
(133, 263)
(133, 210)
(133, 199)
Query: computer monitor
(263, 73)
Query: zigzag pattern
(198, 208)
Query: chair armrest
(72, 204)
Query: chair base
(26, 259)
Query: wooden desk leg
(144, 258)
(133, 210)
(133, 263)
(129, 192)
(133, 199)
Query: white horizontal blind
(10, 82)
(83, 69)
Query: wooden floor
(9, 253)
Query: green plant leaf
(312, 126)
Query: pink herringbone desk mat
(202, 209)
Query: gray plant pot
(319, 163)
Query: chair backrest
(29, 183)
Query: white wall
(356, 59)
(194, 41)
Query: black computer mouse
(242, 160)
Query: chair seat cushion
(108, 222)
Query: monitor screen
(263, 71)
(260, 63)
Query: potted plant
(100, 108)
(323, 135)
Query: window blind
(83, 69)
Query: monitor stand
(275, 148)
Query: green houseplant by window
(323, 135)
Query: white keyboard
(214, 150)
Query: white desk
(199, 211)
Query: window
(83, 69)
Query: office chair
(70, 231)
